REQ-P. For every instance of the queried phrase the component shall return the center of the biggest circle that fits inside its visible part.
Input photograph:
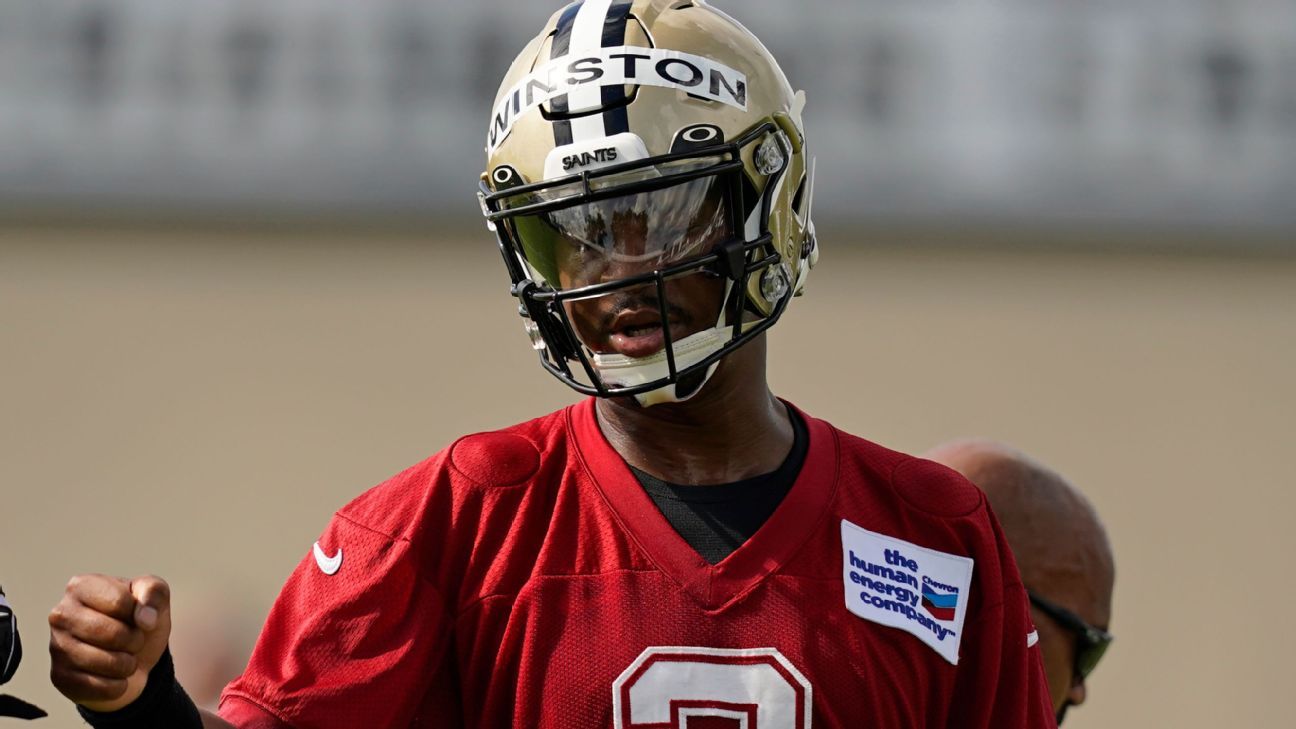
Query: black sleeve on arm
(163, 705)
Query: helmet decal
(505, 177)
(584, 27)
(575, 87)
(696, 136)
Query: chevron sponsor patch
(921, 591)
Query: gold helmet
(640, 152)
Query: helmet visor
(620, 237)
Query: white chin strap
(618, 370)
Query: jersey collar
(716, 586)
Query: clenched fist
(105, 635)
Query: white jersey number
(679, 687)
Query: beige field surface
(196, 404)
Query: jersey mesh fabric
(564, 599)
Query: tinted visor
(624, 236)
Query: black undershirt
(716, 520)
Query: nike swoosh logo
(328, 565)
(1031, 638)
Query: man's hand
(106, 634)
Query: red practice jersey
(523, 578)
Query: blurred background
(243, 277)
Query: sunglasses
(1092, 641)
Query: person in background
(1062, 552)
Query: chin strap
(618, 370)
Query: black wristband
(163, 704)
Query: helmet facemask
(614, 267)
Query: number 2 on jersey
(711, 688)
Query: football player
(683, 549)
(1062, 549)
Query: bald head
(1053, 530)
(1058, 541)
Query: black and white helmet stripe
(585, 26)
(615, 118)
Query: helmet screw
(533, 332)
(774, 283)
(769, 156)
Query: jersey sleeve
(1001, 682)
(357, 637)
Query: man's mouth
(635, 332)
(639, 333)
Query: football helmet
(644, 157)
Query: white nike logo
(328, 565)
(1031, 638)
